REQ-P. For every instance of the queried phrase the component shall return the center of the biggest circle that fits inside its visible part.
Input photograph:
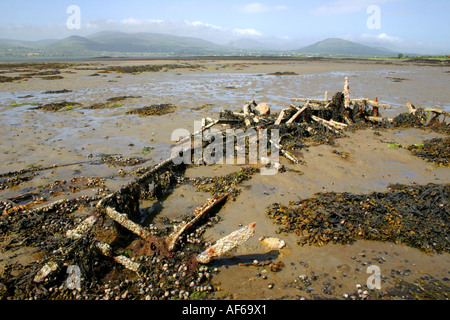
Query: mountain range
(120, 43)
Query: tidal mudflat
(79, 131)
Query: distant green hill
(10, 43)
(115, 43)
(334, 46)
(110, 41)
(145, 42)
(74, 43)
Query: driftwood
(199, 214)
(317, 101)
(123, 220)
(346, 93)
(297, 113)
(83, 228)
(51, 206)
(324, 103)
(127, 263)
(337, 124)
(106, 250)
(334, 126)
(281, 117)
(47, 269)
(375, 119)
(205, 126)
(438, 111)
(286, 153)
(249, 116)
(412, 109)
(315, 104)
(239, 115)
(372, 103)
(226, 244)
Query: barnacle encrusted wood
(228, 243)
(198, 214)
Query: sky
(404, 25)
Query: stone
(262, 109)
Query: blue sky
(410, 26)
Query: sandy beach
(74, 142)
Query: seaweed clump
(410, 120)
(423, 119)
(58, 106)
(153, 110)
(414, 215)
(228, 183)
(425, 288)
(436, 150)
(149, 68)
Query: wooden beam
(319, 101)
(334, 126)
(346, 93)
(280, 117)
(227, 243)
(292, 119)
(372, 103)
(123, 220)
(199, 213)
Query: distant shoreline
(420, 61)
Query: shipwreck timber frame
(109, 207)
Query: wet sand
(34, 138)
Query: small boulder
(262, 109)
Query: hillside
(73, 44)
(115, 43)
(334, 46)
(110, 42)
(149, 42)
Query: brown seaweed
(436, 150)
(153, 110)
(414, 215)
(58, 106)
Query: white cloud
(257, 7)
(247, 32)
(375, 38)
(200, 24)
(387, 38)
(196, 29)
